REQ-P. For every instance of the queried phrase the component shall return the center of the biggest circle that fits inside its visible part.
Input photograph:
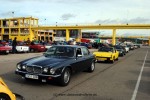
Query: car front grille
(34, 69)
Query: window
(85, 51)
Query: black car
(121, 50)
(59, 62)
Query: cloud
(67, 16)
(137, 20)
(106, 21)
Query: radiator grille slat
(34, 69)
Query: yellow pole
(79, 36)
(53, 35)
(114, 37)
(44, 36)
(1, 23)
(19, 27)
(67, 35)
(37, 23)
(9, 28)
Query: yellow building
(18, 27)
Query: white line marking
(139, 79)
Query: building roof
(14, 18)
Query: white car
(127, 48)
(22, 48)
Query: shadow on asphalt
(12, 77)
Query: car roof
(74, 46)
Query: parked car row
(22, 47)
(36, 47)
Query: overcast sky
(80, 11)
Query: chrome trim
(38, 74)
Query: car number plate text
(31, 76)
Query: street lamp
(13, 14)
(45, 21)
(56, 23)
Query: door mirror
(79, 55)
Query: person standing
(14, 44)
(28, 41)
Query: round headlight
(24, 67)
(45, 70)
(18, 66)
(52, 71)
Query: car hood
(45, 61)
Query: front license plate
(31, 76)
(101, 59)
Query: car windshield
(57, 51)
(105, 49)
(118, 47)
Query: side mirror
(79, 55)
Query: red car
(5, 49)
(36, 47)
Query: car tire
(112, 61)
(92, 67)
(117, 59)
(32, 50)
(65, 77)
(4, 97)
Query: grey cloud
(124, 21)
(139, 20)
(67, 16)
(106, 21)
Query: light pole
(56, 23)
(13, 14)
(45, 21)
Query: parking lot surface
(122, 80)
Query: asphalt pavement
(126, 79)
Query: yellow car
(106, 54)
(5, 93)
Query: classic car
(5, 49)
(5, 93)
(106, 54)
(121, 50)
(37, 47)
(126, 49)
(58, 62)
(131, 47)
(21, 47)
